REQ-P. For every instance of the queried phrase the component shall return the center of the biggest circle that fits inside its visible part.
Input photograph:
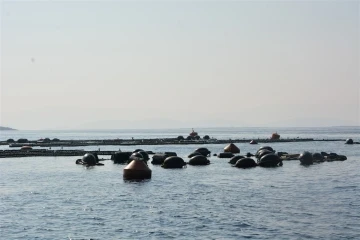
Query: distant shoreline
(7, 129)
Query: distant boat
(193, 133)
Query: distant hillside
(6, 128)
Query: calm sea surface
(52, 198)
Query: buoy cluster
(265, 156)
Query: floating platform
(157, 141)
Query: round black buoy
(262, 153)
(159, 159)
(349, 141)
(317, 157)
(266, 147)
(137, 170)
(194, 154)
(245, 163)
(203, 151)
(173, 162)
(270, 160)
(234, 159)
(89, 159)
(231, 148)
(145, 155)
(121, 157)
(306, 158)
(199, 160)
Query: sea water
(53, 198)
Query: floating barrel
(204, 151)
(245, 163)
(194, 154)
(121, 157)
(173, 162)
(159, 159)
(317, 157)
(253, 142)
(231, 148)
(171, 154)
(199, 160)
(349, 141)
(225, 155)
(306, 158)
(234, 159)
(270, 160)
(137, 169)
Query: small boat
(193, 133)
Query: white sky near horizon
(122, 64)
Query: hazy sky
(78, 64)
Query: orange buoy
(231, 148)
(137, 169)
(275, 136)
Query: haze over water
(122, 64)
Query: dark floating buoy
(137, 170)
(145, 155)
(234, 159)
(225, 155)
(89, 160)
(349, 141)
(173, 162)
(121, 157)
(159, 159)
(270, 160)
(306, 158)
(137, 156)
(245, 163)
(262, 153)
(204, 151)
(231, 148)
(199, 160)
(267, 148)
(214, 154)
(253, 142)
(317, 157)
(171, 154)
(194, 154)
(206, 137)
(137, 150)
